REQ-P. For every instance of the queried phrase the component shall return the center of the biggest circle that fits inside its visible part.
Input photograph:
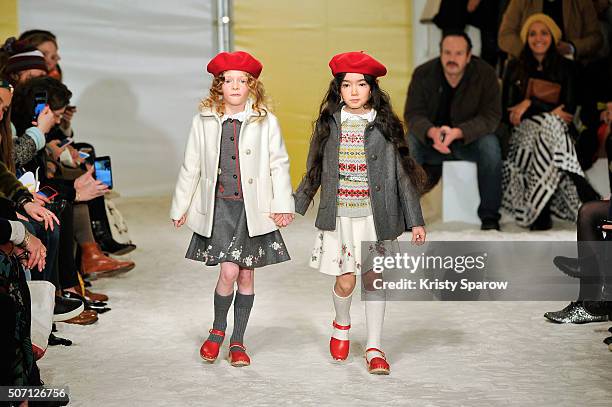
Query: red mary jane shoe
(238, 358)
(210, 350)
(378, 364)
(339, 348)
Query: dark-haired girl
(369, 191)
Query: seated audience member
(592, 267)
(455, 15)
(19, 62)
(75, 192)
(46, 42)
(581, 35)
(452, 111)
(541, 174)
(48, 232)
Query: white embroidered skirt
(338, 252)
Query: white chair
(460, 198)
(598, 176)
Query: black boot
(543, 221)
(104, 237)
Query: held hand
(418, 235)
(282, 219)
(607, 227)
(180, 222)
(45, 120)
(451, 134)
(563, 115)
(37, 253)
(54, 149)
(435, 133)
(67, 117)
(88, 188)
(517, 111)
(41, 214)
(40, 200)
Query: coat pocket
(391, 197)
(264, 193)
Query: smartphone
(40, 101)
(47, 192)
(104, 170)
(65, 142)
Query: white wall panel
(137, 71)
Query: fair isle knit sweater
(353, 198)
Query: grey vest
(228, 181)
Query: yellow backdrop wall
(8, 19)
(295, 40)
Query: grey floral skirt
(230, 240)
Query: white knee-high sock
(342, 305)
(375, 316)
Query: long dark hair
(6, 141)
(528, 64)
(386, 120)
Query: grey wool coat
(394, 200)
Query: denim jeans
(484, 151)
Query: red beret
(234, 61)
(357, 62)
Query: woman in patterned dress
(541, 174)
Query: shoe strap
(237, 345)
(375, 350)
(341, 327)
(217, 332)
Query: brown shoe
(86, 317)
(90, 295)
(93, 261)
(96, 296)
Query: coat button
(250, 180)
(235, 176)
(219, 171)
(248, 152)
(233, 157)
(232, 138)
(374, 156)
(235, 193)
(377, 188)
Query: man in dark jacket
(452, 111)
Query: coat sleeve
(415, 111)
(282, 201)
(409, 197)
(302, 199)
(509, 39)
(489, 110)
(592, 39)
(189, 174)
(27, 145)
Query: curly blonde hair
(215, 102)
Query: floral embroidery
(257, 257)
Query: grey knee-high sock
(242, 309)
(222, 306)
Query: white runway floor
(145, 351)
